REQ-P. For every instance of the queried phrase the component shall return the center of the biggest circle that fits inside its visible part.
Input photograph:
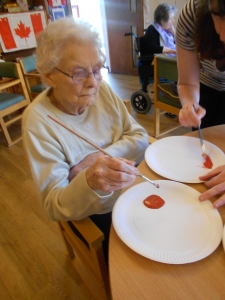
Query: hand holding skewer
(130, 164)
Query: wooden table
(135, 277)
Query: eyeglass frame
(83, 78)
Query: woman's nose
(90, 79)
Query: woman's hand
(111, 174)
(168, 50)
(215, 180)
(172, 30)
(190, 117)
(85, 163)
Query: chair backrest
(165, 98)
(8, 69)
(28, 63)
(14, 97)
(167, 68)
(83, 240)
(31, 75)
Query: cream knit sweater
(52, 151)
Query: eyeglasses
(81, 76)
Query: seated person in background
(74, 180)
(160, 36)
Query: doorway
(93, 12)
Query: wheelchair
(140, 100)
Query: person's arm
(168, 51)
(152, 41)
(172, 30)
(189, 87)
(130, 139)
(89, 192)
(52, 154)
(215, 181)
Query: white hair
(53, 39)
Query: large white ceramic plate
(184, 230)
(180, 158)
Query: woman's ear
(50, 80)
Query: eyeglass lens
(82, 75)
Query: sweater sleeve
(133, 139)
(152, 41)
(60, 199)
(51, 152)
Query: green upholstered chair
(31, 75)
(165, 99)
(14, 98)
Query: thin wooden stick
(74, 132)
(95, 146)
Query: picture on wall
(58, 13)
(18, 31)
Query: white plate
(182, 231)
(180, 158)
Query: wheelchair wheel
(141, 102)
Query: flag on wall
(18, 31)
(55, 3)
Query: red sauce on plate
(154, 202)
(208, 162)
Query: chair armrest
(34, 75)
(89, 231)
(151, 139)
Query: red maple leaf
(22, 31)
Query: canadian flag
(18, 31)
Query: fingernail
(215, 205)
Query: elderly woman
(74, 179)
(160, 36)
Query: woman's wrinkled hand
(111, 174)
(215, 181)
(190, 117)
(172, 51)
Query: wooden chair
(14, 97)
(165, 99)
(86, 254)
(31, 75)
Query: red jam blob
(208, 162)
(154, 202)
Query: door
(123, 16)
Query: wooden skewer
(95, 146)
(81, 137)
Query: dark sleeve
(152, 44)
